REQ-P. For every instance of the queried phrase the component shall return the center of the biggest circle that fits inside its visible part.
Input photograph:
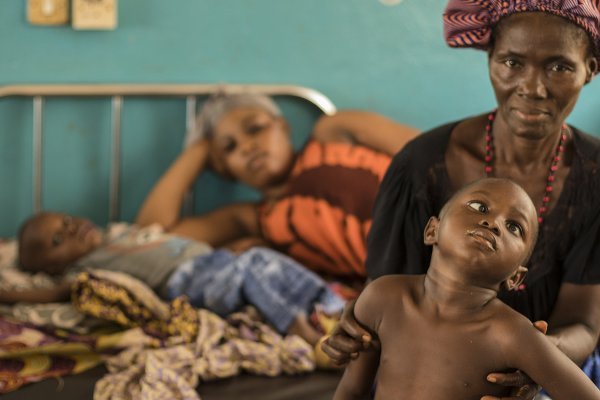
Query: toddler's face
(491, 227)
(253, 147)
(58, 240)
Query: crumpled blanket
(190, 345)
(49, 315)
(30, 354)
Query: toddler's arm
(534, 354)
(58, 293)
(358, 378)
(359, 375)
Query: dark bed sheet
(315, 386)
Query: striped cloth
(469, 23)
(325, 215)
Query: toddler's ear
(516, 279)
(430, 234)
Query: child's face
(58, 240)
(253, 147)
(490, 227)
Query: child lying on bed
(282, 290)
(317, 202)
(443, 332)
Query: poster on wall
(48, 12)
(94, 14)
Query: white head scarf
(219, 104)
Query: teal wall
(360, 53)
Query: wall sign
(94, 14)
(48, 12)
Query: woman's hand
(240, 245)
(524, 387)
(347, 339)
(163, 204)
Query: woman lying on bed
(316, 203)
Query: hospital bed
(33, 105)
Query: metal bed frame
(117, 92)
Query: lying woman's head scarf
(469, 23)
(222, 102)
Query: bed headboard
(17, 116)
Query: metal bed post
(38, 141)
(115, 168)
(190, 126)
(117, 92)
(173, 90)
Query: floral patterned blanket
(152, 349)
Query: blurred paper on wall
(48, 12)
(94, 14)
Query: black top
(416, 186)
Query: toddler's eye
(478, 206)
(514, 228)
(57, 240)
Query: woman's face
(253, 147)
(538, 66)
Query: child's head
(250, 139)
(49, 242)
(489, 228)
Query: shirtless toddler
(440, 334)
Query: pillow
(11, 276)
(8, 253)
(55, 315)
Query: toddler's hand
(243, 244)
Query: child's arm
(59, 293)
(364, 128)
(357, 381)
(534, 354)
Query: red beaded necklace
(560, 148)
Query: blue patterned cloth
(591, 367)
(276, 285)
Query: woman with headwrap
(316, 203)
(540, 54)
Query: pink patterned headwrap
(469, 23)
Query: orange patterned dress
(323, 218)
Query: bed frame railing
(117, 92)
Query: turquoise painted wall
(361, 53)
